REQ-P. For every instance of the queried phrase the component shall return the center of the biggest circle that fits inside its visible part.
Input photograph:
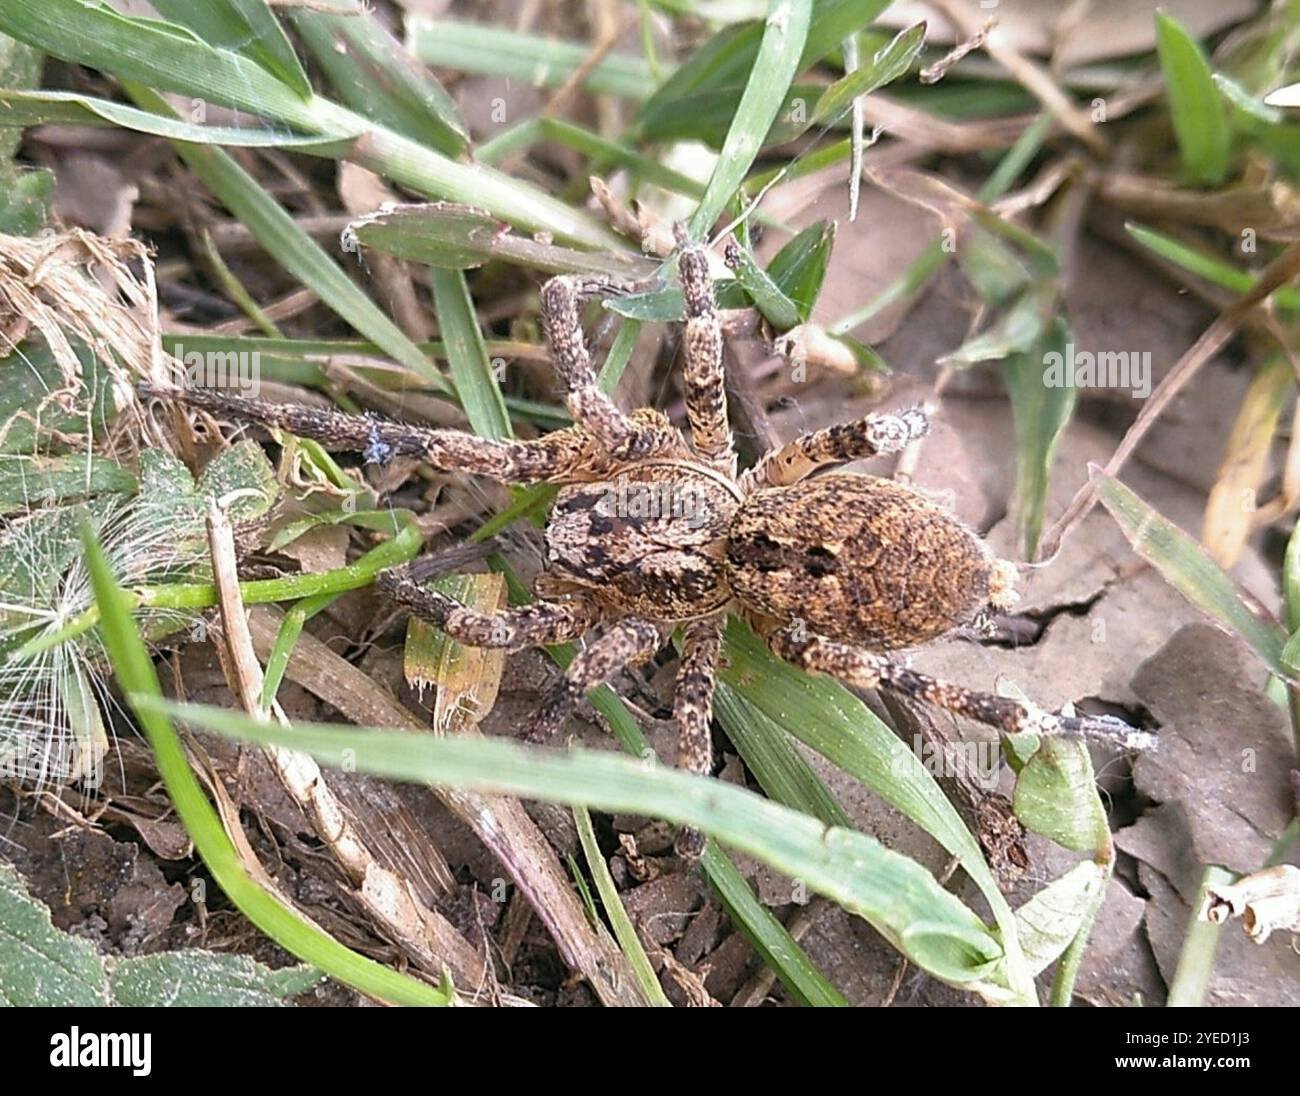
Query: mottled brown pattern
(652, 530)
(871, 436)
(703, 381)
(648, 540)
(857, 559)
(624, 643)
(509, 629)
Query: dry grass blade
(423, 933)
(501, 824)
(1280, 271)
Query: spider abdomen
(858, 559)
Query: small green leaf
(890, 62)
(40, 965)
(244, 476)
(1054, 916)
(1015, 331)
(799, 268)
(1200, 122)
(205, 979)
(27, 481)
(1187, 567)
(1056, 796)
(1042, 410)
(778, 309)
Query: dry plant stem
(1035, 79)
(686, 980)
(501, 824)
(755, 991)
(927, 132)
(1280, 271)
(423, 934)
(932, 74)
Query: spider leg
(705, 384)
(535, 625)
(869, 436)
(624, 643)
(868, 670)
(548, 458)
(562, 300)
(693, 710)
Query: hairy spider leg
(869, 436)
(693, 711)
(704, 380)
(562, 299)
(868, 670)
(535, 625)
(552, 457)
(623, 643)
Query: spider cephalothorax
(654, 529)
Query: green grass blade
(799, 268)
(1188, 568)
(243, 26)
(1209, 267)
(778, 309)
(775, 67)
(823, 714)
(135, 673)
(624, 931)
(899, 897)
(770, 754)
(402, 546)
(458, 237)
(374, 74)
(297, 252)
(1200, 121)
(153, 52)
(31, 108)
(471, 371)
(489, 50)
(726, 60)
(1042, 412)
(889, 63)
(769, 938)
(601, 148)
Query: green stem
(624, 930)
(135, 672)
(1196, 961)
(401, 548)
(1067, 971)
(202, 595)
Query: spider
(653, 530)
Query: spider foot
(689, 844)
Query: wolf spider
(652, 530)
